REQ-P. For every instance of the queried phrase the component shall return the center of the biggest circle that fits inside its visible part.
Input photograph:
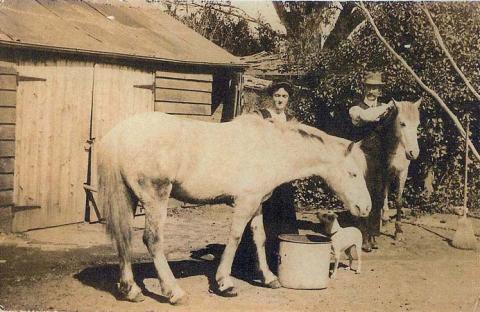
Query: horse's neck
(384, 142)
(305, 157)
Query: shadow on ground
(204, 262)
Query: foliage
(335, 79)
(229, 31)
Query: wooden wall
(183, 94)
(8, 87)
(54, 108)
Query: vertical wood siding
(53, 119)
(8, 96)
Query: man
(366, 115)
(368, 112)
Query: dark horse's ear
(349, 148)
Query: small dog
(343, 240)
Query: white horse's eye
(352, 174)
(403, 124)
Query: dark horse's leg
(400, 180)
(370, 226)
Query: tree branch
(419, 81)
(447, 53)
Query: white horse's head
(347, 180)
(406, 124)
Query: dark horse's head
(405, 126)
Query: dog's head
(327, 217)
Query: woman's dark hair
(278, 85)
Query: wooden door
(119, 92)
(53, 123)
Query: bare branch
(447, 53)
(419, 81)
(241, 13)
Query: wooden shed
(70, 71)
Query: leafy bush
(335, 79)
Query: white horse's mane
(292, 125)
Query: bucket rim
(305, 238)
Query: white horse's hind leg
(244, 210)
(127, 286)
(155, 216)
(259, 238)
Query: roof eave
(125, 56)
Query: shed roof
(265, 64)
(120, 30)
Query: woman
(279, 210)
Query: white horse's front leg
(242, 214)
(401, 179)
(259, 238)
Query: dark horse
(388, 151)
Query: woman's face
(280, 99)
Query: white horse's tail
(116, 199)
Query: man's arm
(361, 116)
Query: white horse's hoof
(178, 297)
(131, 293)
(225, 288)
(228, 293)
(275, 284)
(399, 237)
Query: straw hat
(373, 78)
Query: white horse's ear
(349, 148)
(417, 103)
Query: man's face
(280, 99)
(373, 92)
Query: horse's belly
(200, 196)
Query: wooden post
(238, 93)
(465, 181)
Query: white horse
(405, 150)
(388, 151)
(152, 156)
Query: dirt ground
(74, 268)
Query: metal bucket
(304, 261)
